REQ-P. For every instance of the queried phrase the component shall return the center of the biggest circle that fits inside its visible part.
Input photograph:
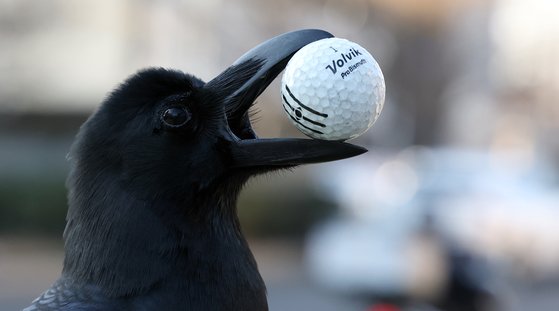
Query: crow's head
(161, 162)
(168, 134)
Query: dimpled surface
(333, 89)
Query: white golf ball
(333, 89)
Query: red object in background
(384, 307)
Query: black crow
(156, 172)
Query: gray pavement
(27, 267)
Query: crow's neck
(127, 245)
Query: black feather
(152, 219)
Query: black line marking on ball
(299, 110)
(286, 101)
(302, 105)
(301, 124)
(313, 122)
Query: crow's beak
(244, 81)
(290, 152)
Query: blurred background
(456, 202)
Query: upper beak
(240, 85)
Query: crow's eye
(175, 116)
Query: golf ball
(333, 89)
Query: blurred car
(431, 226)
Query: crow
(155, 176)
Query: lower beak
(284, 152)
(244, 81)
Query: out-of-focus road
(27, 267)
